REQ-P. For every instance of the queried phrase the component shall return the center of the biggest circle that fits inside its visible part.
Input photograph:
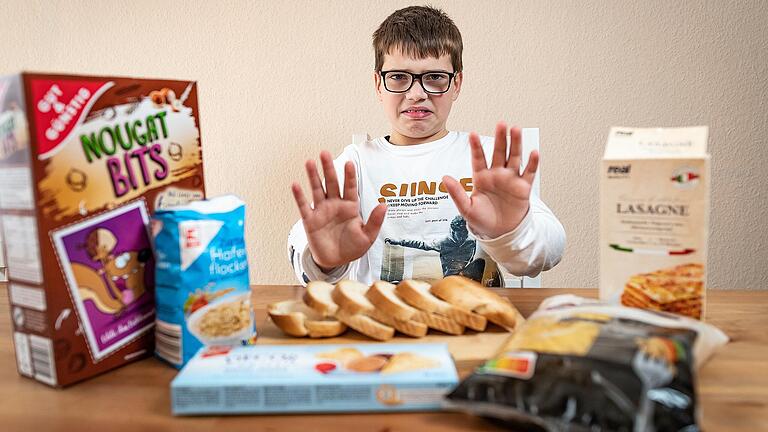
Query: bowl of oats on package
(202, 286)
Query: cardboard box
(84, 161)
(654, 218)
(314, 378)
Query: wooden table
(733, 386)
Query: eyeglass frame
(414, 77)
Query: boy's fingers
(478, 157)
(515, 150)
(458, 194)
(375, 220)
(530, 170)
(301, 202)
(318, 194)
(500, 146)
(350, 182)
(331, 181)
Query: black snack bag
(582, 366)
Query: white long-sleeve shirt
(423, 235)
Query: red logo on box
(190, 238)
(60, 106)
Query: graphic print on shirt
(458, 252)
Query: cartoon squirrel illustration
(103, 286)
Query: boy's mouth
(417, 112)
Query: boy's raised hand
(500, 198)
(335, 231)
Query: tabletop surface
(733, 385)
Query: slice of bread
(439, 322)
(418, 294)
(318, 297)
(382, 295)
(297, 319)
(468, 294)
(366, 325)
(505, 314)
(350, 296)
(406, 327)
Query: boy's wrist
(501, 231)
(325, 267)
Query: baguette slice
(366, 325)
(417, 294)
(297, 319)
(505, 315)
(318, 297)
(350, 296)
(439, 322)
(468, 294)
(408, 327)
(382, 295)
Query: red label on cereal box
(59, 107)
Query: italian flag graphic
(685, 177)
(621, 248)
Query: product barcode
(42, 359)
(168, 342)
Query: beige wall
(279, 81)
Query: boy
(399, 184)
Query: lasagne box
(654, 219)
(314, 378)
(84, 162)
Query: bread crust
(407, 327)
(318, 297)
(366, 325)
(439, 322)
(468, 294)
(350, 296)
(418, 294)
(296, 319)
(384, 298)
(324, 328)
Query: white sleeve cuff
(313, 271)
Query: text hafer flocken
(228, 261)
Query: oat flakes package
(202, 285)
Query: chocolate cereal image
(109, 271)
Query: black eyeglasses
(433, 82)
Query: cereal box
(314, 378)
(654, 219)
(84, 162)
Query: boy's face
(427, 122)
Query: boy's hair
(418, 32)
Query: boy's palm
(335, 231)
(501, 194)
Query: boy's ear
(457, 85)
(377, 84)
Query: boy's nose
(416, 92)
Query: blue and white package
(202, 287)
(281, 379)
